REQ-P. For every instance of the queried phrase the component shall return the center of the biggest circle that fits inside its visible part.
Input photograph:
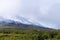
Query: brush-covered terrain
(13, 30)
(19, 34)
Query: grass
(15, 34)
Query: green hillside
(18, 34)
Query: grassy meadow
(17, 34)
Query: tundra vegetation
(19, 34)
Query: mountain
(9, 23)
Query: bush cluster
(16, 34)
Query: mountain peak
(20, 22)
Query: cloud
(51, 10)
(45, 12)
(9, 7)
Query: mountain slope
(8, 23)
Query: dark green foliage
(16, 34)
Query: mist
(44, 12)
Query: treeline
(30, 34)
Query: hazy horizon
(44, 12)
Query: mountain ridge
(8, 23)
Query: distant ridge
(7, 23)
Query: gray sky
(44, 12)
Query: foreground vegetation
(16, 34)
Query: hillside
(9, 23)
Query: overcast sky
(44, 12)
